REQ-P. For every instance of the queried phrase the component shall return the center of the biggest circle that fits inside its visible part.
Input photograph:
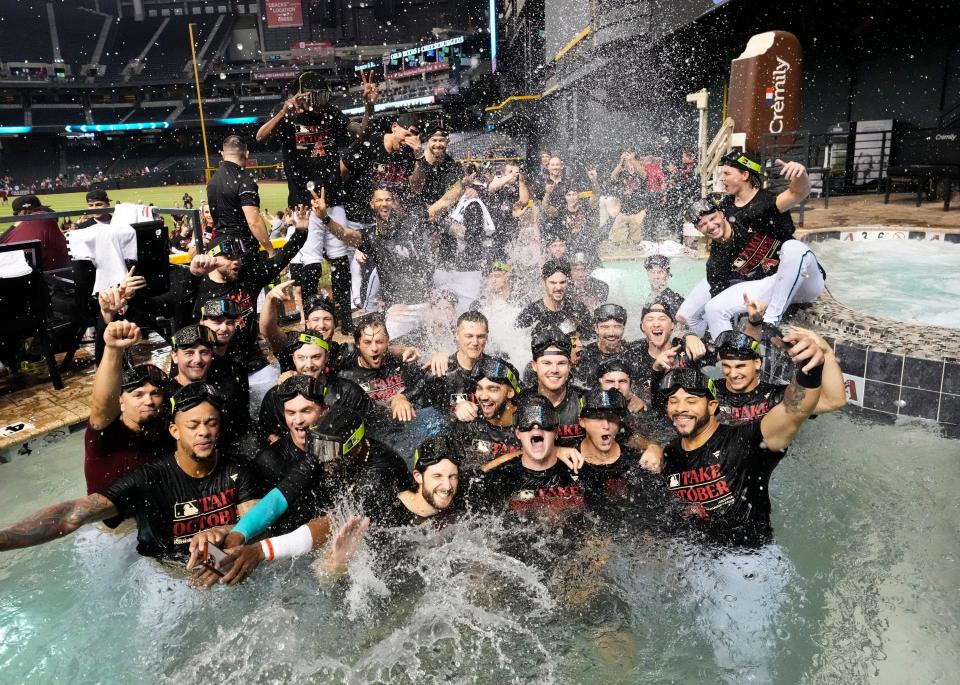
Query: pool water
(906, 280)
(864, 591)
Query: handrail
(573, 42)
(512, 98)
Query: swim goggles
(688, 380)
(214, 309)
(194, 394)
(737, 345)
(432, 451)
(499, 371)
(141, 375)
(535, 411)
(608, 311)
(313, 389)
(194, 334)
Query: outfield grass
(273, 196)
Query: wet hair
(373, 320)
(473, 317)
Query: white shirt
(109, 247)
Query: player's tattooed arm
(56, 521)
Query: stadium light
(230, 121)
(110, 128)
(13, 130)
(396, 104)
(493, 36)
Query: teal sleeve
(262, 516)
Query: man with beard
(489, 434)
(398, 242)
(722, 473)
(744, 398)
(308, 355)
(609, 324)
(508, 195)
(556, 305)
(435, 172)
(386, 379)
(228, 274)
(125, 428)
(613, 471)
(752, 240)
(537, 482)
(174, 498)
(551, 363)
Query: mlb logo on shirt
(674, 480)
(182, 510)
(769, 96)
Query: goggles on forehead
(197, 334)
(228, 247)
(312, 388)
(141, 375)
(741, 160)
(688, 380)
(737, 344)
(310, 339)
(432, 451)
(190, 396)
(213, 309)
(499, 371)
(606, 312)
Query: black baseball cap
(535, 410)
(141, 375)
(661, 307)
(548, 338)
(603, 403)
(552, 266)
(608, 311)
(194, 334)
(27, 202)
(99, 195)
(499, 371)
(321, 303)
(432, 451)
(409, 121)
(690, 380)
(215, 309)
(193, 394)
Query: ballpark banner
(284, 13)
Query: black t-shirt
(370, 166)
(738, 408)
(255, 274)
(457, 385)
(273, 464)
(311, 152)
(726, 481)
(439, 177)
(649, 380)
(513, 486)
(753, 251)
(338, 392)
(536, 313)
(233, 382)
(394, 377)
(480, 441)
(623, 482)
(569, 432)
(229, 191)
(591, 293)
(171, 507)
(394, 514)
(405, 260)
(631, 188)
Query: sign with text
(284, 13)
(416, 71)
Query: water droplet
(223, 77)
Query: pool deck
(28, 397)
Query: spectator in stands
(47, 231)
(96, 199)
(235, 198)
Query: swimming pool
(907, 280)
(865, 592)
